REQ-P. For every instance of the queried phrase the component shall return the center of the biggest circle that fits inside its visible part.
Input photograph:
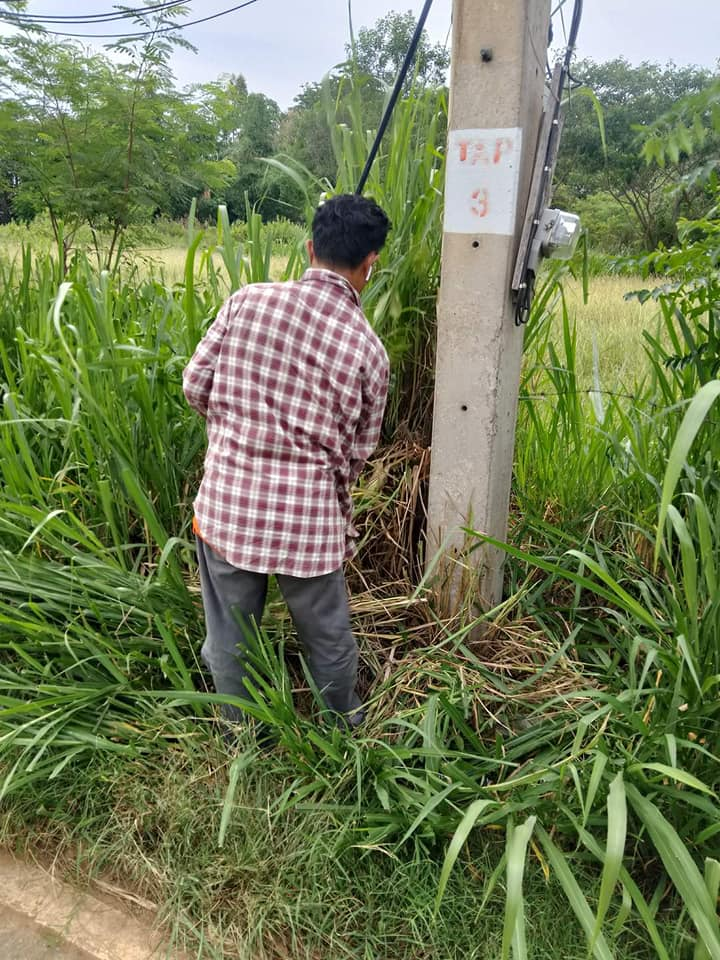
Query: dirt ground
(43, 918)
(22, 939)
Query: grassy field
(281, 888)
(610, 328)
(536, 781)
(166, 263)
(544, 787)
(531, 786)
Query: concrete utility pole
(496, 101)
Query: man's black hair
(347, 228)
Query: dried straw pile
(408, 649)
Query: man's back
(292, 380)
(293, 384)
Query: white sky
(280, 44)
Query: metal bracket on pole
(540, 190)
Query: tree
(691, 126)
(379, 52)
(360, 84)
(255, 140)
(96, 141)
(630, 98)
(305, 132)
(222, 103)
(246, 129)
(691, 349)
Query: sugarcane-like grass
(100, 679)
(565, 738)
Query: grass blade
(688, 430)
(514, 926)
(576, 899)
(674, 773)
(239, 764)
(614, 851)
(682, 871)
(470, 818)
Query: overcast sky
(280, 44)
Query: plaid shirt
(293, 383)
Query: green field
(553, 770)
(539, 780)
(607, 324)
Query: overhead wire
(89, 18)
(562, 21)
(154, 32)
(572, 42)
(542, 62)
(572, 39)
(394, 96)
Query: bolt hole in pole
(463, 407)
(476, 243)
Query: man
(293, 382)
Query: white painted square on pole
(483, 171)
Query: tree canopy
(109, 140)
(96, 141)
(601, 153)
(379, 52)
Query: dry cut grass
(407, 646)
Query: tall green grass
(407, 181)
(579, 731)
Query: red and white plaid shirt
(293, 383)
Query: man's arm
(199, 373)
(367, 432)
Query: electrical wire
(37, 19)
(155, 32)
(404, 70)
(580, 392)
(564, 28)
(574, 30)
(526, 291)
(542, 62)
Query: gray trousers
(234, 600)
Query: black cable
(151, 33)
(574, 30)
(36, 19)
(525, 294)
(404, 69)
